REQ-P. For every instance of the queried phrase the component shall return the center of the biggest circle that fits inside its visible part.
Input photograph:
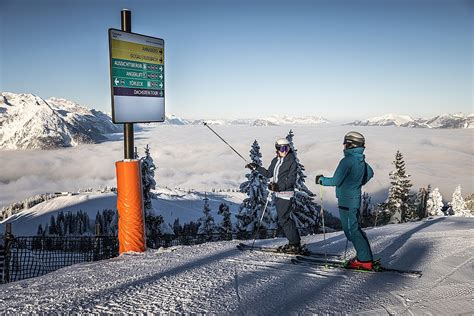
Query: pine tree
(225, 228)
(458, 205)
(40, 231)
(154, 230)
(250, 211)
(420, 202)
(52, 226)
(206, 222)
(366, 217)
(148, 178)
(434, 205)
(177, 228)
(305, 210)
(100, 221)
(398, 203)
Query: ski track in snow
(218, 278)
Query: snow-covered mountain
(29, 122)
(175, 120)
(458, 120)
(295, 120)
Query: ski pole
(324, 228)
(205, 124)
(261, 218)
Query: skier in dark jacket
(351, 174)
(283, 170)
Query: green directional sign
(137, 77)
(130, 74)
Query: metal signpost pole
(127, 127)
(137, 90)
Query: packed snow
(218, 278)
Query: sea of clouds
(193, 157)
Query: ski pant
(354, 233)
(286, 222)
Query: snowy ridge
(29, 122)
(296, 120)
(216, 278)
(458, 120)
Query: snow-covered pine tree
(434, 205)
(225, 228)
(398, 203)
(206, 222)
(305, 210)
(148, 179)
(458, 205)
(250, 211)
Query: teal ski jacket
(351, 174)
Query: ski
(308, 253)
(340, 264)
(282, 266)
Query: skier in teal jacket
(351, 174)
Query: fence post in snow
(6, 263)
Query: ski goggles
(282, 148)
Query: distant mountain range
(274, 120)
(29, 122)
(457, 120)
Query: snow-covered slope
(170, 203)
(216, 278)
(458, 120)
(30, 122)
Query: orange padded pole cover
(131, 230)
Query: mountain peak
(29, 122)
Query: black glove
(272, 186)
(318, 179)
(251, 166)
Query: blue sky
(238, 59)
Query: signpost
(138, 95)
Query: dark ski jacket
(351, 174)
(286, 177)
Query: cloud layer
(193, 157)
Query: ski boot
(354, 263)
(296, 249)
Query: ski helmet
(354, 139)
(282, 143)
